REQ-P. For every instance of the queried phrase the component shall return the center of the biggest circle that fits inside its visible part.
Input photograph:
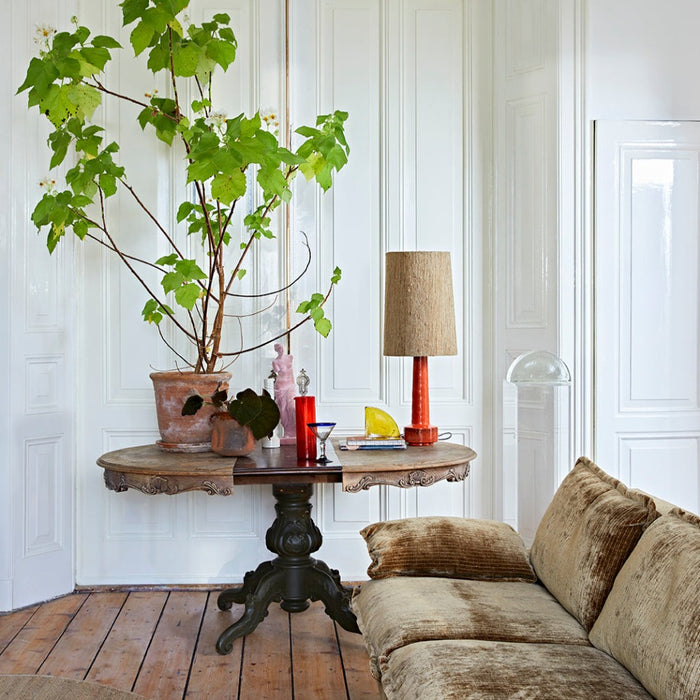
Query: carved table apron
(293, 577)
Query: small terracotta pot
(229, 438)
(185, 433)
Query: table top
(152, 470)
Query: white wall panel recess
(647, 289)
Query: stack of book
(362, 442)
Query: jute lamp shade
(419, 322)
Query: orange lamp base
(420, 432)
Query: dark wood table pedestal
(294, 577)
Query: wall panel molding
(44, 508)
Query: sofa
(605, 604)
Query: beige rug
(52, 688)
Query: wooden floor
(160, 644)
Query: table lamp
(419, 322)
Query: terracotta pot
(180, 433)
(229, 437)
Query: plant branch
(168, 237)
(172, 349)
(172, 75)
(281, 335)
(252, 235)
(133, 271)
(99, 86)
(286, 286)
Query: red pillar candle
(305, 409)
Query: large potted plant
(223, 158)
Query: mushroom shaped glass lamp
(419, 322)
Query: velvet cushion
(443, 546)
(651, 619)
(392, 613)
(584, 537)
(456, 670)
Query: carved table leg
(293, 577)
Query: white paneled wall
(524, 247)
(403, 70)
(38, 357)
(438, 91)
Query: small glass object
(303, 382)
(322, 431)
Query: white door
(647, 286)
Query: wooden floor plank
(361, 684)
(119, 660)
(316, 665)
(266, 669)
(34, 642)
(214, 675)
(167, 663)
(12, 623)
(162, 646)
(75, 650)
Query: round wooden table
(293, 577)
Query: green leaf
(106, 42)
(190, 270)
(133, 10)
(108, 184)
(324, 179)
(241, 274)
(336, 157)
(308, 131)
(192, 405)
(167, 259)
(187, 295)
(201, 170)
(85, 98)
(171, 281)
(80, 228)
(272, 180)
(184, 210)
(323, 326)
(96, 57)
(222, 52)
(227, 188)
(40, 74)
(141, 36)
(59, 142)
(186, 60)
(337, 274)
(246, 407)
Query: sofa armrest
(465, 548)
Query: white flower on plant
(48, 184)
(42, 36)
(216, 120)
(270, 120)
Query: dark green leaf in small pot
(192, 405)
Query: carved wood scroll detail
(155, 484)
(405, 479)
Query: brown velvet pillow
(651, 620)
(452, 547)
(585, 536)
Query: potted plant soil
(237, 423)
(224, 159)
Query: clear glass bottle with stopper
(269, 386)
